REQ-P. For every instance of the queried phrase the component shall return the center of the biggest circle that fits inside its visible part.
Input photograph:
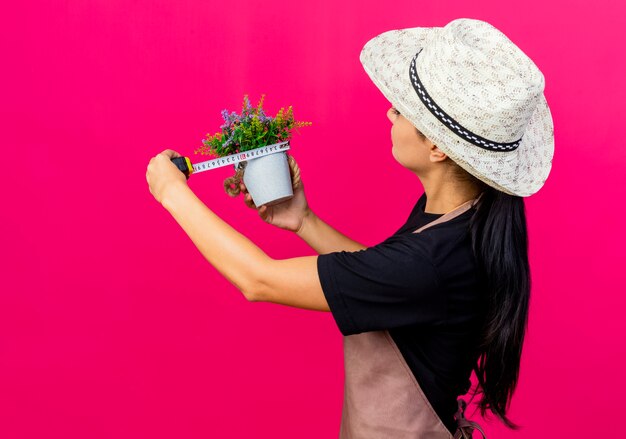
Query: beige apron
(382, 399)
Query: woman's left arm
(293, 282)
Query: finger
(171, 153)
(249, 202)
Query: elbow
(250, 297)
(251, 283)
(252, 291)
(260, 286)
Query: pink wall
(112, 325)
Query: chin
(407, 163)
(393, 153)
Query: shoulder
(406, 247)
(394, 255)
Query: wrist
(308, 217)
(172, 193)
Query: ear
(436, 155)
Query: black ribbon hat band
(449, 122)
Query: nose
(391, 115)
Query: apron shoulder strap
(451, 214)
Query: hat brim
(386, 59)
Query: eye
(395, 111)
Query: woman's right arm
(323, 238)
(295, 215)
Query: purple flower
(247, 103)
(225, 116)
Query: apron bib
(382, 398)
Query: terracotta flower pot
(268, 179)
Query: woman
(448, 293)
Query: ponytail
(500, 245)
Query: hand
(163, 174)
(288, 215)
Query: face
(411, 150)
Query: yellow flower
(258, 108)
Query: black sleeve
(389, 285)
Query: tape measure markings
(234, 159)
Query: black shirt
(425, 290)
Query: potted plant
(267, 178)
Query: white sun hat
(474, 94)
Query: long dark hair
(500, 245)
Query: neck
(443, 195)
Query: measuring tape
(188, 168)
